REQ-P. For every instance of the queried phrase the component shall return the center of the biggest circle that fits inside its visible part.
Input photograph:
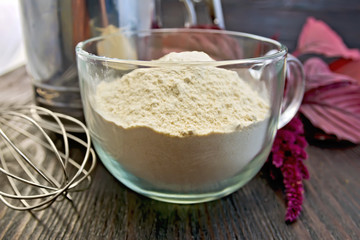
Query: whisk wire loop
(34, 185)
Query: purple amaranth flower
(288, 155)
(292, 179)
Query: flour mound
(181, 100)
(185, 56)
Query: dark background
(283, 18)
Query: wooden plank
(286, 18)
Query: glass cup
(156, 140)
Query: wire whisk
(37, 165)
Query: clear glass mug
(194, 166)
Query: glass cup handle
(294, 91)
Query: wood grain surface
(108, 210)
